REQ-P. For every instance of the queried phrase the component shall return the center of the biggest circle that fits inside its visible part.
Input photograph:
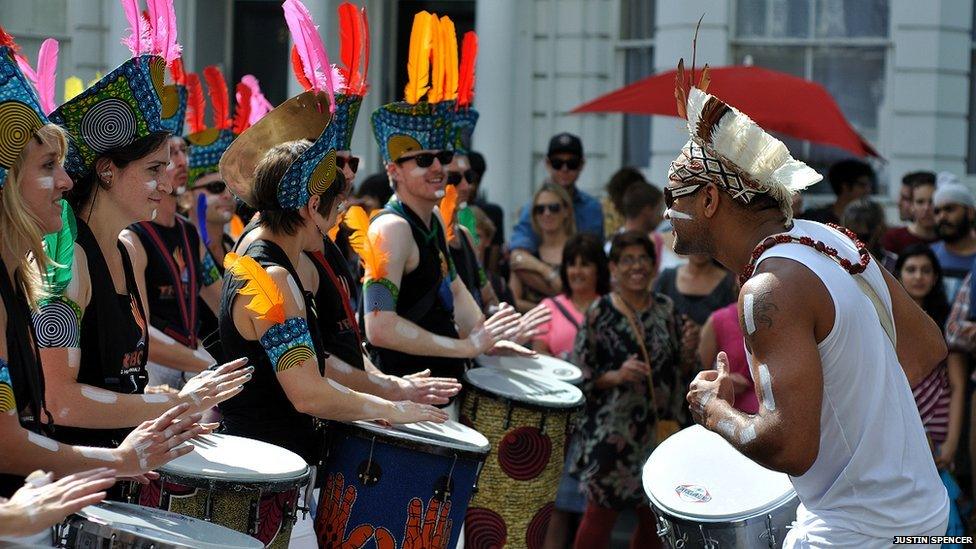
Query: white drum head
(544, 365)
(697, 475)
(230, 458)
(449, 434)
(525, 387)
(164, 527)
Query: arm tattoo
(763, 309)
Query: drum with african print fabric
(243, 484)
(526, 418)
(403, 486)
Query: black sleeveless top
(262, 410)
(468, 268)
(209, 329)
(337, 321)
(21, 382)
(114, 339)
(425, 299)
(173, 278)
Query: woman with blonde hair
(536, 276)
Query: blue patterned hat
(121, 108)
(305, 116)
(462, 121)
(402, 127)
(173, 114)
(206, 148)
(20, 112)
(344, 120)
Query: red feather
(219, 100)
(177, 72)
(194, 103)
(469, 54)
(365, 23)
(350, 44)
(242, 108)
(8, 41)
(299, 68)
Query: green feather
(466, 218)
(60, 247)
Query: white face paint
(747, 303)
(43, 442)
(338, 386)
(99, 395)
(766, 381)
(155, 398)
(417, 171)
(46, 183)
(102, 454)
(675, 214)
(726, 427)
(748, 434)
(445, 342)
(407, 331)
(439, 193)
(296, 293)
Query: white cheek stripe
(675, 214)
(46, 183)
(99, 395)
(766, 381)
(747, 302)
(43, 442)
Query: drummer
(420, 315)
(285, 167)
(92, 328)
(820, 319)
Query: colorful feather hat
(354, 54)
(124, 105)
(416, 124)
(20, 107)
(462, 114)
(305, 116)
(173, 100)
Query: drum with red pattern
(525, 417)
(243, 484)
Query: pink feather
(162, 18)
(309, 44)
(47, 66)
(138, 32)
(26, 67)
(260, 105)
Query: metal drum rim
(236, 485)
(353, 430)
(536, 405)
(724, 519)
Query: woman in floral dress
(628, 336)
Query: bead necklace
(863, 253)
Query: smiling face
(138, 189)
(633, 269)
(42, 182)
(422, 183)
(582, 276)
(550, 212)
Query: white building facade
(902, 71)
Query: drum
(544, 365)
(243, 484)
(526, 418)
(403, 483)
(121, 525)
(707, 494)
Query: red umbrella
(776, 101)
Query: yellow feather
(267, 300)
(449, 42)
(418, 58)
(368, 246)
(448, 207)
(73, 86)
(334, 231)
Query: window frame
(621, 47)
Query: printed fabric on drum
(617, 431)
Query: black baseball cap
(565, 143)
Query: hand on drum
(156, 442)
(211, 387)
(709, 384)
(420, 387)
(510, 348)
(42, 503)
(632, 370)
(412, 412)
(530, 324)
(433, 533)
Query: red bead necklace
(770, 241)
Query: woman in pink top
(722, 333)
(585, 276)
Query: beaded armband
(380, 295)
(288, 344)
(209, 269)
(57, 323)
(7, 400)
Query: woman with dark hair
(629, 348)
(613, 202)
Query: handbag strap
(565, 312)
(638, 332)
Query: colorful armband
(57, 323)
(209, 269)
(380, 295)
(288, 344)
(7, 400)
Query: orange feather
(418, 58)
(448, 207)
(369, 247)
(438, 66)
(267, 300)
(450, 45)
(334, 231)
(236, 227)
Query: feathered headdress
(753, 162)
(310, 50)
(44, 77)
(469, 56)
(352, 73)
(267, 301)
(208, 144)
(260, 105)
(367, 246)
(22, 111)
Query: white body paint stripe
(43, 442)
(747, 303)
(407, 330)
(747, 435)
(99, 395)
(766, 381)
(154, 398)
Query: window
(841, 44)
(971, 147)
(636, 47)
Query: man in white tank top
(822, 324)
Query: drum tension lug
(707, 541)
(508, 417)
(542, 424)
(254, 516)
(770, 534)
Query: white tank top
(874, 474)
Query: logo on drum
(693, 493)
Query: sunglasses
(670, 193)
(454, 178)
(426, 160)
(553, 208)
(353, 162)
(558, 163)
(217, 187)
